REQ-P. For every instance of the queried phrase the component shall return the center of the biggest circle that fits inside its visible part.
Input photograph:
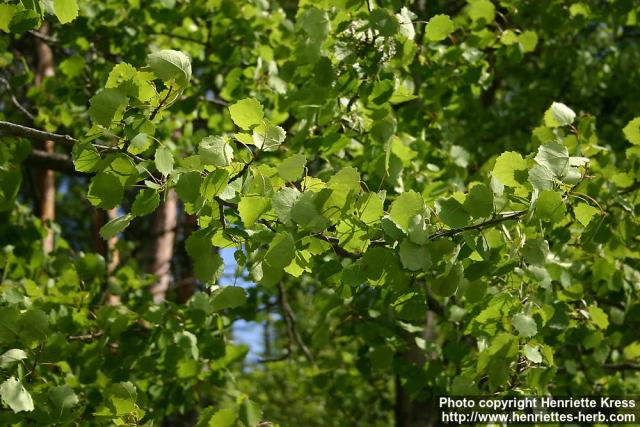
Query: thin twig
(15, 100)
(157, 109)
(497, 220)
(43, 37)
(283, 356)
(85, 338)
(179, 37)
(221, 212)
(290, 322)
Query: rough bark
(46, 180)
(163, 233)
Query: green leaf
(63, 397)
(370, 208)
(414, 257)
(482, 10)
(267, 137)
(525, 325)
(250, 413)
(439, 27)
(405, 207)
(585, 213)
(115, 226)
(9, 328)
(452, 213)
(383, 21)
(306, 214)
(510, 168)
(418, 230)
(383, 129)
(292, 167)
(146, 202)
(281, 250)
(528, 41)
(171, 65)
(108, 106)
(24, 20)
(72, 66)
(188, 186)
(11, 357)
(558, 115)
(532, 353)
(598, 317)
(164, 161)
(479, 201)
(251, 208)
(535, 251)
(314, 22)
(554, 157)
(283, 202)
(139, 144)
(246, 113)
(224, 418)
(215, 151)
(550, 206)
(214, 183)
(446, 284)
(66, 10)
(381, 357)
(105, 191)
(227, 297)
(541, 178)
(6, 15)
(207, 264)
(632, 131)
(632, 351)
(85, 157)
(16, 396)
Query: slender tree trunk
(188, 283)
(163, 230)
(46, 180)
(107, 249)
(113, 259)
(409, 412)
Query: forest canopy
(402, 199)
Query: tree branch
(85, 338)
(54, 161)
(36, 134)
(480, 226)
(290, 323)
(157, 109)
(15, 100)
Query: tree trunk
(409, 412)
(113, 259)
(107, 249)
(164, 231)
(188, 283)
(46, 181)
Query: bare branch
(480, 226)
(36, 134)
(290, 323)
(15, 100)
(54, 161)
(86, 338)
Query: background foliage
(432, 198)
